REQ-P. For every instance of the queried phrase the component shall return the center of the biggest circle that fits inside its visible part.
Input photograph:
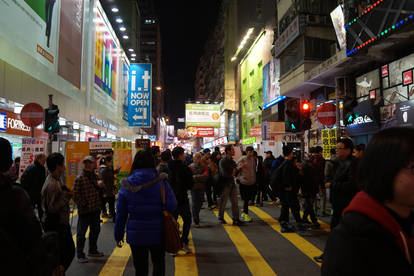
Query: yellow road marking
(302, 244)
(186, 264)
(75, 212)
(251, 256)
(117, 262)
(87, 232)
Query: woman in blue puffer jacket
(140, 207)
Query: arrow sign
(140, 95)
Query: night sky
(185, 27)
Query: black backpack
(276, 179)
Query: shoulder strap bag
(172, 240)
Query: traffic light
(52, 120)
(348, 111)
(292, 115)
(305, 120)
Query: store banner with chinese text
(329, 141)
(30, 148)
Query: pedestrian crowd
(368, 192)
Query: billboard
(32, 25)
(124, 90)
(106, 55)
(140, 95)
(205, 115)
(70, 41)
(338, 20)
(271, 87)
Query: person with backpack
(139, 208)
(22, 252)
(55, 200)
(181, 181)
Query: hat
(269, 152)
(88, 159)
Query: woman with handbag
(140, 203)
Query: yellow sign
(329, 141)
(75, 152)
(122, 159)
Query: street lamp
(159, 88)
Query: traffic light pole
(50, 138)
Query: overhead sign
(249, 141)
(215, 143)
(287, 37)
(32, 114)
(205, 115)
(200, 131)
(140, 95)
(326, 114)
(103, 123)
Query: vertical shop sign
(329, 141)
(140, 95)
(75, 152)
(122, 159)
(30, 148)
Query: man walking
(181, 180)
(228, 170)
(247, 181)
(86, 196)
(32, 181)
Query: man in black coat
(181, 180)
(32, 181)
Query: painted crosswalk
(258, 248)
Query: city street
(257, 248)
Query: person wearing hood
(139, 207)
(181, 181)
(376, 234)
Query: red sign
(326, 114)
(14, 125)
(372, 94)
(32, 114)
(256, 131)
(200, 131)
(408, 77)
(384, 71)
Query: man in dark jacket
(268, 161)
(181, 180)
(20, 232)
(32, 181)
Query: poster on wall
(271, 87)
(75, 152)
(70, 41)
(140, 95)
(32, 25)
(30, 148)
(122, 159)
(367, 83)
(205, 115)
(106, 56)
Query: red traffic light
(305, 106)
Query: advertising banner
(140, 95)
(338, 20)
(232, 127)
(170, 134)
(256, 131)
(32, 25)
(329, 141)
(70, 41)
(215, 143)
(271, 87)
(75, 152)
(30, 148)
(99, 147)
(122, 159)
(200, 131)
(106, 56)
(124, 90)
(206, 115)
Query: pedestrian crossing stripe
(251, 256)
(300, 243)
(186, 264)
(116, 263)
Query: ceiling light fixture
(132, 58)
(133, 55)
(122, 29)
(115, 10)
(130, 49)
(125, 37)
(119, 20)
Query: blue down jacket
(142, 210)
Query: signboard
(206, 115)
(170, 134)
(405, 114)
(329, 141)
(140, 95)
(367, 120)
(106, 55)
(287, 37)
(30, 148)
(32, 114)
(103, 123)
(215, 143)
(249, 141)
(99, 147)
(338, 20)
(271, 87)
(75, 152)
(256, 131)
(32, 25)
(11, 124)
(141, 144)
(122, 159)
(181, 120)
(326, 114)
(384, 71)
(408, 77)
(124, 90)
(200, 131)
(232, 127)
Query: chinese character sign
(140, 95)
(30, 148)
(329, 141)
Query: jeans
(66, 245)
(140, 258)
(290, 201)
(229, 191)
(111, 203)
(210, 193)
(183, 210)
(196, 202)
(91, 220)
(309, 211)
(247, 192)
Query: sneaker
(247, 218)
(222, 221)
(238, 223)
(83, 260)
(186, 249)
(243, 216)
(96, 254)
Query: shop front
(366, 123)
